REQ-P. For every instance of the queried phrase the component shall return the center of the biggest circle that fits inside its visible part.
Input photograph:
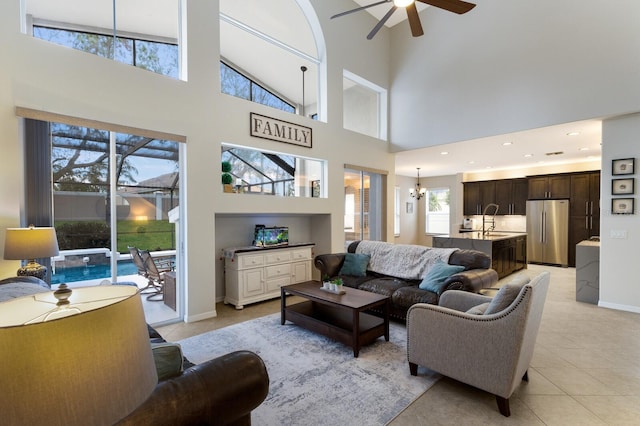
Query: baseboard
(200, 317)
(618, 307)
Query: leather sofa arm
(472, 280)
(329, 264)
(221, 391)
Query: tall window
(92, 170)
(364, 106)
(254, 41)
(437, 211)
(134, 36)
(363, 210)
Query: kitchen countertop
(477, 235)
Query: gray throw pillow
(505, 296)
(168, 358)
(479, 309)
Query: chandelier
(418, 192)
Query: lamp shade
(30, 243)
(88, 362)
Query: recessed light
(488, 167)
(507, 143)
(528, 155)
(584, 149)
(444, 153)
(573, 133)
(472, 162)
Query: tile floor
(585, 371)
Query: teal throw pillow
(355, 264)
(437, 275)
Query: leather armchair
(491, 352)
(221, 391)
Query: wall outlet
(621, 234)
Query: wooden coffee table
(339, 317)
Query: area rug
(315, 380)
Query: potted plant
(337, 284)
(326, 282)
(227, 179)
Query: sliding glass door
(364, 200)
(109, 191)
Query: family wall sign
(278, 130)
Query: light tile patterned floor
(585, 371)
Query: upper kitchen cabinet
(549, 187)
(585, 194)
(477, 195)
(511, 196)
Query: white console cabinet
(256, 275)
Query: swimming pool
(91, 272)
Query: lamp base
(33, 269)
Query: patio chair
(155, 274)
(137, 261)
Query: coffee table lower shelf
(336, 323)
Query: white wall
(408, 221)
(513, 65)
(43, 76)
(509, 66)
(619, 285)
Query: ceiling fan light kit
(455, 6)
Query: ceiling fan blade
(414, 20)
(455, 6)
(381, 22)
(360, 8)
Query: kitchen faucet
(492, 220)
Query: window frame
(429, 213)
(382, 107)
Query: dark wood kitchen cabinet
(477, 195)
(511, 196)
(584, 210)
(509, 255)
(549, 187)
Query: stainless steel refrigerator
(548, 231)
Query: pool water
(91, 272)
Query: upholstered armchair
(481, 341)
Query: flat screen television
(271, 236)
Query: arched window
(283, 61)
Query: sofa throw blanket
(409, 262)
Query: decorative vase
(332, 287)
(326, 285)
(338, 288)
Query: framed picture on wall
(622, 206)
(409, 208)
(625, 166)
(315, 188)
(622, 186)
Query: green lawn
(150, 235)
(146, 235)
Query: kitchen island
(508, 250)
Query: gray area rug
(315, 380)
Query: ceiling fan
(455, 6)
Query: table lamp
(31, 243)
(83, 360)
